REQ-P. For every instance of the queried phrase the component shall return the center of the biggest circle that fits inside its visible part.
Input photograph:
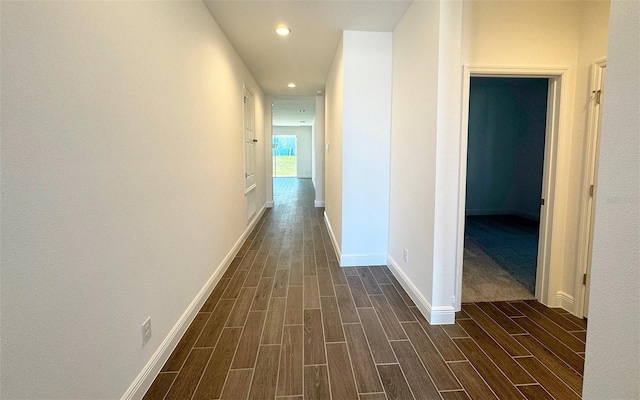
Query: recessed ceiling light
(291, 85)
(283, 31)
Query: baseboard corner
(436, 315)
(334, 242)
(566, 301)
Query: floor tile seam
(555, 375)
(544, 315)
(195, 389)
(430, 340)
(497, 342)
(351, 363)
(477, 371)
(553, 324)
(433, 382)
(284, 311)
(495, 363)
(560, 359)
(367, 342)
(498, 322)
(395, 314)
(192, 346)
(350, 294)
(235, 353)
(170, 386)
(553, 336)
(495, 339)
(248, 310)
(404, 375)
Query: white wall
(594, 27)
(318, 147)
(613, 340)
(304, 145)
(365, 147)
(413, 140)
(548, 34)
(477, 33)
(333, 153)
(534, 34)
(122, 172)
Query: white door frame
(556, 104)
(250, 193)
(590, 178)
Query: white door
(249, 142)
(592, 179)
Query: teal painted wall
(507, 119)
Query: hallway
(285, 321)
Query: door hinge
(597, 94)
(541, 202)
(584, 279)
(245, 100)
(591, 190)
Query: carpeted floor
(500, 258)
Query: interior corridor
(286, 321)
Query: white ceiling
(305, 56)
(293, 111)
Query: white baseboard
(269, 204)
(358, 260)
(145, 378)
(336, 248)
(318, 203)
(439, 315)
(566, 301)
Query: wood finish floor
(286, 322)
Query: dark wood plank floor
(286, 322)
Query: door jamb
(589, 178)
(556, 106)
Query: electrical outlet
(146, 331)
(405, 255)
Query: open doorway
(292, 153)
(507, 126)
(285, 156)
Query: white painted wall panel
(122, 169)
(612, 362)
(365, 141)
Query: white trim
(587, 206)
(269, 204)
(565, 300)
(318, 203)
(250, 189)
(145, 378)
(556, 105)
(353, 260)
(442, 315)
(357, 260)
(336, 248)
